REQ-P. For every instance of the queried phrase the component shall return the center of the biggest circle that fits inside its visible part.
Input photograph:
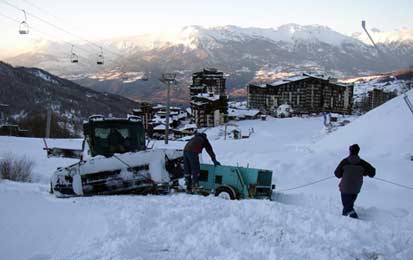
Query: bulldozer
(115, 159)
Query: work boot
(353, 214)
(189, 189)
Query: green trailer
(233, 182)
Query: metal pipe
(363, 24)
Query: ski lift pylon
(24, 26)
(73, 57)
(100, 59)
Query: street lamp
(167, 78)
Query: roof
(242, 112)
(197, 103)
(188, 126)
(211, 97)
(288, 80)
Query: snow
(304, 223)
(404, 35)
(208, 96)
(43, 75)
(242, 113)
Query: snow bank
(303, 223)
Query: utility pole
(48, 122)
(48, 116)
(3, 119)
(168, 79)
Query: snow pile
(303, 223)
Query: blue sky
(104, 19)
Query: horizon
(96, 20)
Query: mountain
(29, 91)
(244, 54)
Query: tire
(226, 192)
(51, 188)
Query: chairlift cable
(50, 14)
(53, 25)
(48, 36)
(61, 21)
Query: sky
(100, 19)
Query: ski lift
(24, 26)
(145, 77)
(100, 59)
(73, 57)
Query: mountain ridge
(244, 54)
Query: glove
(216, 163)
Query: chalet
(13, 130)
(305, 94)
(209, 102)
(146, 113)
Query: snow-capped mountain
(245, 54)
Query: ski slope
(303, 223)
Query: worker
(351, 171)
(191, 159)
(116, 141)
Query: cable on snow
(308, 184)
(394, 183)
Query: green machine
(233, 182)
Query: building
(209, 102)
(209, 80)
(376, 97)
(306, 93)
(154, 118)
(146, 113)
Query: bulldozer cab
(109, 136)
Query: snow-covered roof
(208, 96)
(188, 126)
(242, 112)
(288, 80)
(317, 76)
(198, 103)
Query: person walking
(351, 171)
(191, 159)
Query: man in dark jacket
(351, 171)
(191, 160)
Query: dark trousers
(191, 168)
(348, 202)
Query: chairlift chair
(73, 57)
(24, 26)
(145, 77)
(100, 59)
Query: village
(301, 95)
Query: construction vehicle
(233, 182)
(114, 159)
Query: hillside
(29, 91)
(301, 223)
